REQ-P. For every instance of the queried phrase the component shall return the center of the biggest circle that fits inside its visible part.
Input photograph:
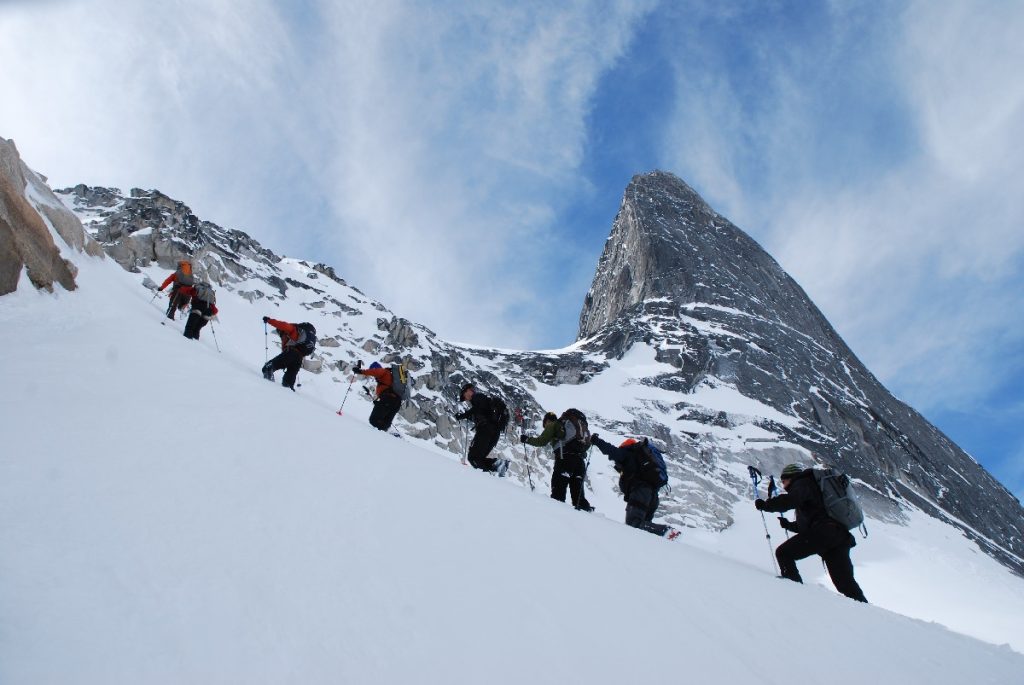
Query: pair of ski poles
(526, 453)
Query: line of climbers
(640, 465)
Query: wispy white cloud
(423, 148)
(908, 232)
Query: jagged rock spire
(667, 242)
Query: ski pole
(772, 491)
(526, 454)
(214, 331)
(755, 478)
(266, 344)
(155, 293)
(345, 399)
(465, 442)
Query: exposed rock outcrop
(32, 223)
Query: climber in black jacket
(816, 532)
(490, 417)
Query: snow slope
(168, 516)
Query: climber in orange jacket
(387, 402)
(297, 341)
(181, 277)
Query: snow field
(168, 516)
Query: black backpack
(650, 464)
(306, 342)
(499, 412)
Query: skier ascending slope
(570, 448)
(386, 402)
(297, 341)
(816, 532)
(204, 307)
(490, 417)
(640, 479)
(180, 278)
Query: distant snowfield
(167, 516)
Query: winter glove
(786, 523)
(266, 319)
(594, 436)
(759, 504)
(359, 366)
(523, 438)
(461, 416)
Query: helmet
(375, 365)
(791, 470)
(628, 442)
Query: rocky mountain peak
(666, 242)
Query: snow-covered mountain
(739, 366)
(173, 517)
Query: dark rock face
(148, 226)
(677, 275)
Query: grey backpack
(183, 274)
(840, 501)
(204, 292)
(401, 382)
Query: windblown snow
(168, 516)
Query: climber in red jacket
(297, 341)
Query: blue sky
(873, 148)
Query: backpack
(652, 463)
(183, 274)
(500, 413)
(204, 292)
(401, 382)
(306, 342)
(840, 501)
(575, 419)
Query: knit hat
(791, 471)
(375, 365)
(628, 442)
(549, 417)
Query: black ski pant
(177, 301)
(641, 503)
(291, 361)
(384, 409)
(837, 562)
(570, 473)
(484, 440)
(197, 318)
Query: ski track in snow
(168, 516)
